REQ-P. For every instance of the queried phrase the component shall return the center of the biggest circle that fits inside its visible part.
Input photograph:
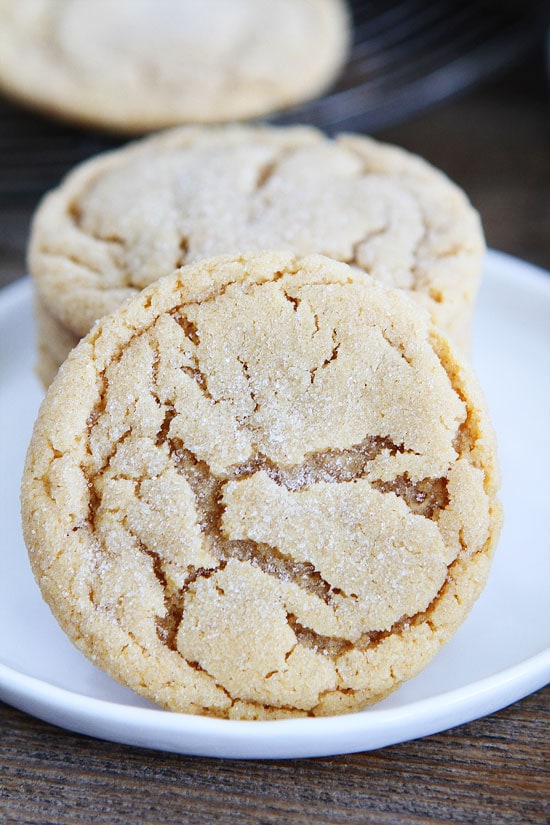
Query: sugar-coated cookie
(128, 217)
(264, 487)
(140, 65)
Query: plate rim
(283, 738)
(272, 739)
(522, 673)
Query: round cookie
(122, 220)
(140, 65)
(264, 487)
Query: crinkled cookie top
(137, 65)
(263, 487)
(126, 218)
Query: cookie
(140, 65)
(124, 219)
(264, 487)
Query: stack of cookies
(263, 481)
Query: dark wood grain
(495, 143)
(494, 770)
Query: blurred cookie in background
(139, 65)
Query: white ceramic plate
(500, 654)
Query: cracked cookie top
(125, 218)
(263, 487)
(139, 65)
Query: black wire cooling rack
(407, 55)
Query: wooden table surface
(495, 143)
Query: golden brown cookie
(265, 486)
(125, 218)
(140, 65)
